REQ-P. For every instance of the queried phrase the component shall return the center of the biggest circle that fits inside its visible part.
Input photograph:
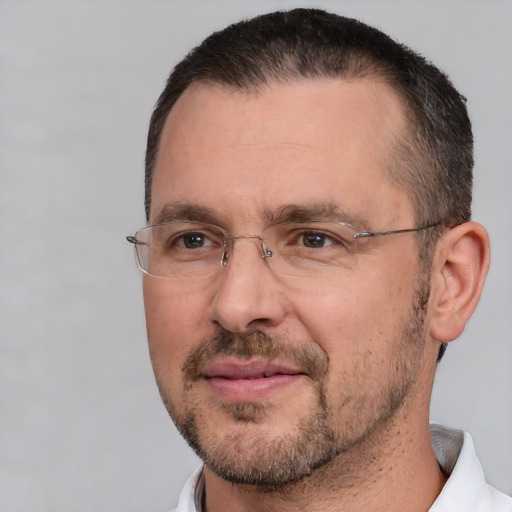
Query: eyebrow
(331, 212)
(185, 212)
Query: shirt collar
(466, 488)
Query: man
(309, 254)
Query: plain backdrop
(82, 428)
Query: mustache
(310, 359)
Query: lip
(247, 381)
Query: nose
(248, 295)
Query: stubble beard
(247, 454)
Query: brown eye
(193, 240)
(315, 240)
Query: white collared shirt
(465, 491)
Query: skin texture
(354, 356)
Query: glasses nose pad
(224, 260)
(228, 247)
(265, 253)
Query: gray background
(82, 427)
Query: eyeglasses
(189, 250)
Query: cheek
(175, 322)
(357, 316)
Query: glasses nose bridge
(229, 245)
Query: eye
(193, 240)
(315, 236)
(315, 239)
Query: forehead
(309, 142)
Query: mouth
(247, 381)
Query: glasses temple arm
(370, 234)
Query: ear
(459, 268)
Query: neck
(394, 469)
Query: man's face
(269, 377)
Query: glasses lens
(191, 250)
(179, 249)
(312, 249)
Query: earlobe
(459, 268)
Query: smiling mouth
(260, 376)
(234, 369)
(241, 381)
